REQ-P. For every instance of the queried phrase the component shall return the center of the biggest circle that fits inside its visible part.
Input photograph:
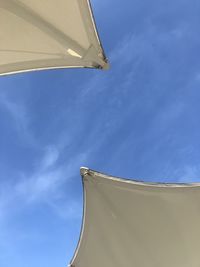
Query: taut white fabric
(128, 223)
(42, 34)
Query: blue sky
(140, 119)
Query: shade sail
(41, 34)
(128, 223)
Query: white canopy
(41, 34)
(128, 223)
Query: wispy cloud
(144, 107)
(47, 184)
(19, 116)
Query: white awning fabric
(41, 34)
(128, 223)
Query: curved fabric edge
(86, 172)
(106, 65)
(39, 69)
(83, 171)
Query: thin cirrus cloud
(152, 87)
(45, 185)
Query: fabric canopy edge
(84, 171)
(105, 65)
(14, 72)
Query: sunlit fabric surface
(37, 34)
(128, 223)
